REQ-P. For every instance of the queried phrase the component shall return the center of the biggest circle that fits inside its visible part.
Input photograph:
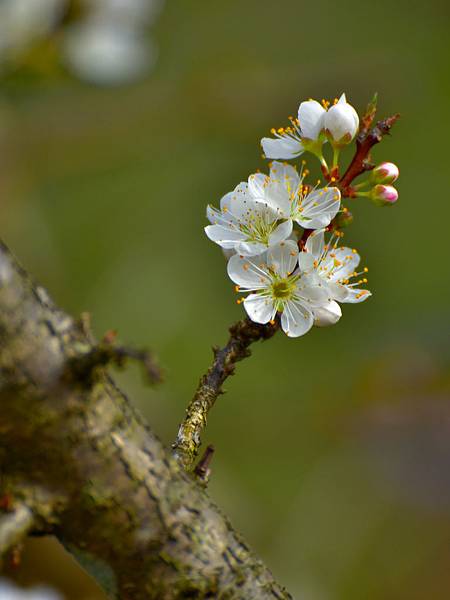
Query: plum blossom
(283, 190)
(292, 141)
(249, 218)
(246, 223)
(336, 266)
(277, 285)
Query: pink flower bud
(384, 195)
(385, 173)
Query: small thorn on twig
(203, 470)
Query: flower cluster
(281, 235)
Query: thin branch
(203, 468)
(242, 335)
(84, 366)
(361, 161)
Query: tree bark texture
(77, 461)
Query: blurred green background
(333, 450)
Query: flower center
(258, 228)
(282, 289)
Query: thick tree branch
(76, 456)
(242, 335)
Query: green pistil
(282, 290)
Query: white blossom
(260, 213)
(341, 121)
(245, 222)
(284, 191)
(291, 141)
(336, 266)
(277, 285)
(307, 132)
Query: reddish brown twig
(361, 161)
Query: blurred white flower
(24, 21)
(8, 591)
(107, 54)
(111, 47)
(107, 45)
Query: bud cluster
(281, 234)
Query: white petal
(257, 184)
(315, 243)
(327, 315)
(284, 148)
(282, 258)
(281, 233)
(311, 116)
(278, 197)
(259, 308)
(306, 261)
(285, 174)
(225, 237)
(319, 208)
(250, 248)
(354, 295)
(236, 202)
(312, 290)
(338, 291)
(342, 120)
(341, 263)
(296, 319)
(247, 273)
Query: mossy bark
(75, 453)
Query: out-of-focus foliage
(319, 440)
